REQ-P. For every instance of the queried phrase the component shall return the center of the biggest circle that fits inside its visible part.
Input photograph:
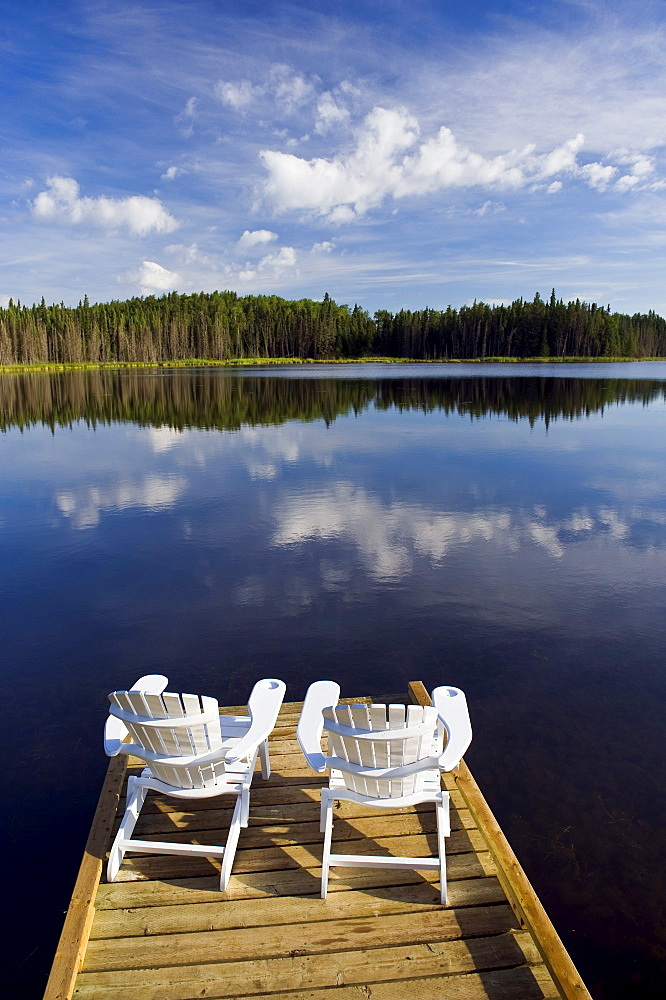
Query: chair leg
(136, 796)
(232, 843)
(443, 831)
(265, 760)
(327, 825)
(245, 806)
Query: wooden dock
(163, 931)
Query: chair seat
(430, 792)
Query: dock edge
(522, 898)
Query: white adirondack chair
(387, 757)
(192, 752)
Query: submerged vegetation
(225, 327)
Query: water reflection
(84, 506)
(224, 401)
(391, 537)
(507, 535)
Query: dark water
(500, 529)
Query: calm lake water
(499, 528)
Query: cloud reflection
(163, 438)
(84, 505)
(389, 537)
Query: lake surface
(499, 528)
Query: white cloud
(171, 173)
(597, 175)
(541, 84)
(389, 161)
(189, 254)
(627, 182)
(237, 94)
(154, 278)
(256, 237)
(291, 90)
(330, 114)
(356, 182)
(256, 263)
(272, 265)
(62, 202)
(442, 163)
(489, 208)
(185, 120)
(286, 257)
(642, 167)
(342, 214)
(562, 159)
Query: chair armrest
(115, 731)
(153, 757)
(453, 713)
(320, 695)
(264, 704)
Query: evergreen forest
(220, 326)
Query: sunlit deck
(163, 931)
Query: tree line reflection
(214, 401)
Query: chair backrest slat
(196, 735)
(365, 752)
(145, 706)
(164, 706)
(213, 733)
(413, 747)
(337, 746)
(419, 726)
(396, 720)
(381, 748)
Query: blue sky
(392, 154)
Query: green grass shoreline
(250, 362)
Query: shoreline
(50, 366)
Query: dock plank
(302, 829)
(294, 882)
(305, 938)
(265, 911)
(321, 971)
